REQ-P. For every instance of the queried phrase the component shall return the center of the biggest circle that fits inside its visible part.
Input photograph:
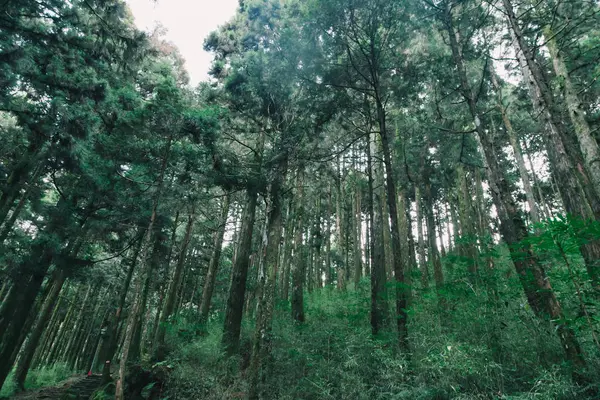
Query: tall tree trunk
(237, 289)
(514, 142)
(136, 309)
(357, 251)
(406, 235)
(587, 142)
(286, 260)
(571, 190)
(21, 301)
(318, 243)
(213, 267)
(328, 274)
(112, 330)
(533, 278)
(379, 305)
(299, 252)
(339, 228)
(163, 286)
(438, 274)
(261, 348)
(467, 248)
(159, 340)
(420, 240)
(398, 259)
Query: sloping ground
(75, 388)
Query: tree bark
(262, 336)
(587, 142)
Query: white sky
(187, 22)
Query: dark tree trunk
(237, 290)
(379, 306)
(299, 252)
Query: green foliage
(38, 378)
(334, 356)
(48, 376)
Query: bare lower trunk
(379, 305)
(357, 251)
(262, 342)
(299, 252)
(159, 340)
(420, 240)
(237, 289)
(211, 275)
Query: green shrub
(477, 348)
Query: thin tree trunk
(357, 251)
(284, 284)
(571, 190)
(420, 240)
(405, 234)
(438, 274)
(338, 226)
(299, 252)
(137, 302)
(514, 142)
(328, 274)
(379, 305)
(213, 266)
(159, 340)
(468, 237)
(42, 321)
(112, 330)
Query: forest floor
(75, 387)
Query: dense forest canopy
(367, 199)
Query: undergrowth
(478, 348)
(37, 378)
